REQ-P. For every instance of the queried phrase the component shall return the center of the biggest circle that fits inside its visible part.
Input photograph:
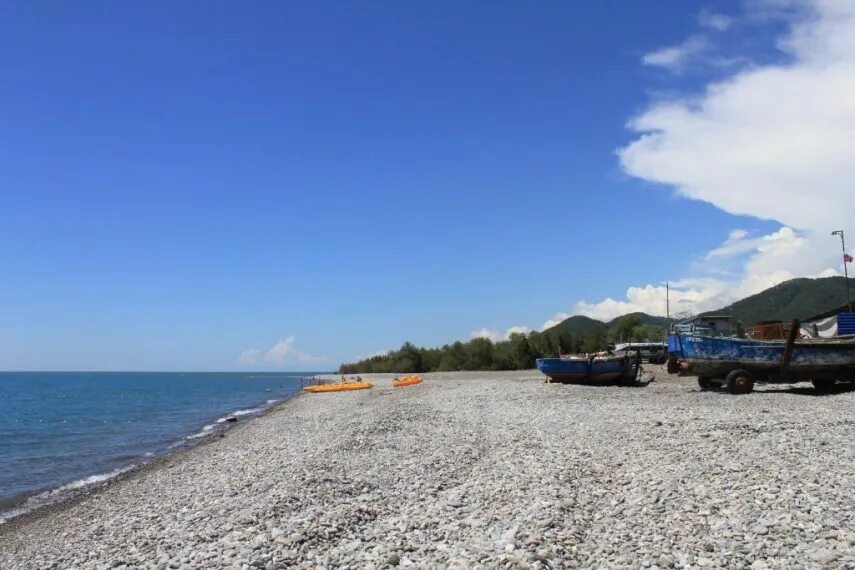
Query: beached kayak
(340, 387)
(406, 381)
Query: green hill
(644, 319)
(797, 298)
(578, 325)
(581, 325)
(580, 331)
(794, 299)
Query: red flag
(847, 258)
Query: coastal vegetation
(518, 352)
(797, 298)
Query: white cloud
(762, 261)
(685, 295)
(374, 354)
(492, 335)
(675, 58)
(282, 353)
(517, 330)
(714, 21)
(496, 336)
(250, 356)
(556, 319)
(772, 142)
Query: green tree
(408, 359)
(479, 354)
(453, 358)
(521, 353)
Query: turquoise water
(64, 430)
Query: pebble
(484, 470)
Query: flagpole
(845, 270)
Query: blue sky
(211, 186)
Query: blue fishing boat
(738, 362)
(599, 369)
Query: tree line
(517, 353)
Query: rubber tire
(672, 365)
(739, 381)
(705, 383)
(823, 386)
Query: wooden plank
(788, 349)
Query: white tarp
(824, 328)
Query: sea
(63, 432)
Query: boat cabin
(653, 352)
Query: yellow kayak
(406, 381)
(340, 387)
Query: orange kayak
(406, 381)
(339, 387)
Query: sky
(290, 185)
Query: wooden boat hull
(406, 381)
(810, 359)
(583, 370)
(340, 387)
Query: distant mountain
(644, 318)
(579, 325)
(794, 299)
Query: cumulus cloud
(686, 295)
(516, 330)
(556, 319)
(282, 353)
(771, 142)
(763, 261)
(497, 336)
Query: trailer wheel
(823, 386)
(672, 365)
(705, 382)
(739, 381)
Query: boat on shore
(738, 362)
(595, 368)
(406, 381)
(344, 386)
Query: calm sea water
(65, 430)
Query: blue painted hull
(674, 346)
(810, 359)
(577, 369)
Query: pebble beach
(483, 470)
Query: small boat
(406, 381)
(596, 368)
(339, 387)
